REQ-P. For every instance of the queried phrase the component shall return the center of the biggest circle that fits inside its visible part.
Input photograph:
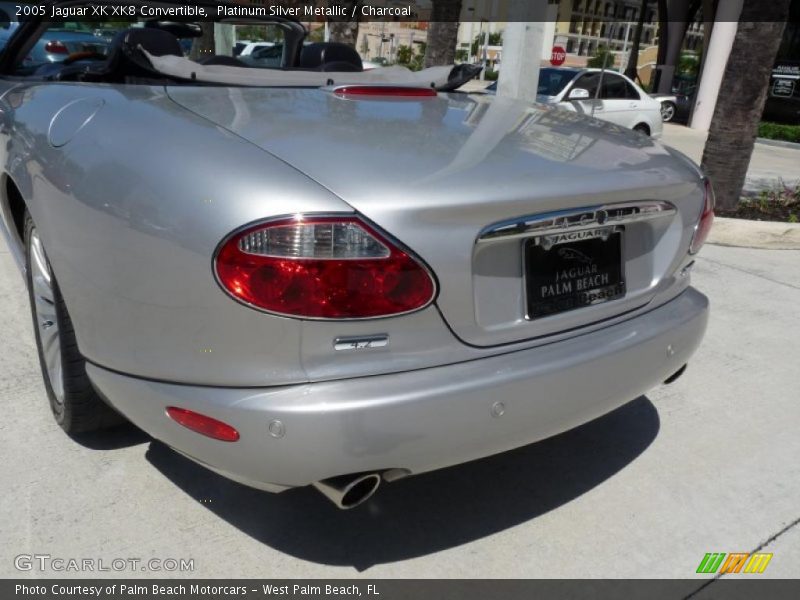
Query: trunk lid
(440, 173)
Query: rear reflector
(703, 227)
(323, 267)
(202, 424)
(395, 91)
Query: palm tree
(443, 33)
(495, 38)
(346, 32)
(632, 70)
(742, 96)
(205, 44)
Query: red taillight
(703, 227)
(322, 267)
(203, 424)
(395, 91)
(56, 47)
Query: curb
(778, 143)
(764, 235)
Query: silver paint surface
(132, 208)
(421, 420)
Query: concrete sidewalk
(769, 166)
(744, 233)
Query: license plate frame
(577, 269)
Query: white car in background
(669, 106)
(602, 94)
(251, 47)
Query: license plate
(571, 275)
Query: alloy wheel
(46, 319)
(667, 111)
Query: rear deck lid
(475, 185)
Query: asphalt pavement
(707, 464)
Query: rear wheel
(643, 129)
(668, 110)
(75, 405)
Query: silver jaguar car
(320, 275)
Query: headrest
(317, 55)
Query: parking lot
(708, 464)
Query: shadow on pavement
(124, 435)
(430, 512)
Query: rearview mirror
(579, 94)
(178, 29)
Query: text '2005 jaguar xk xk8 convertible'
(314, 274)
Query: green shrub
(781, 203)
(491, 75)
(776, 131)
(603, 58)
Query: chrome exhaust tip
(348, 491)
(674, 377)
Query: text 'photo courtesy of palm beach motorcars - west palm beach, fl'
(299, 272)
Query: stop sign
(558, 56)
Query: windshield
(553, 81)
(252, 44)
(7, 27)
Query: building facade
(585, 25)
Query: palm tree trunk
(443, 33)
(742, 95)
(346, 32)
(632, 70)
(663, 31)
(676, 26)
(204, 45)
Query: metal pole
(602, 73)
(485, 48)
(625, 46)
(722, 38)
(523, 40)
(480, 52)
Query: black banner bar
(418, 589)
(318, 10)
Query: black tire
(643, 129)
(668, 111)
(77, 408)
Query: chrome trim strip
(576, 219)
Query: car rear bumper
(419, 420)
